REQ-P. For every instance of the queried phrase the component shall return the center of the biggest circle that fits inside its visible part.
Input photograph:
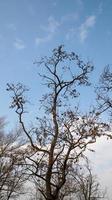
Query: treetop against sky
(31, 29)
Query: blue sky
(30, 29)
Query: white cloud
(86, 26)
(102, 162)
(51, 29)
(19, 44)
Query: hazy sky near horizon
(30, 29)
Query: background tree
(104, 91)
(88, 187)
(62, 135)
(12, 175)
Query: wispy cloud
(79, 2)
(70, 17)
(11, 26)
(54, 3)
(81, 32)
(100, 8)
(52, 25)
(71, 34)
(40, 40)
(86, 26)
(50, 29)
(19, 44)
(31, 9)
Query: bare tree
(104, 91)
(62, 134)
(11, 174)
(88, 187)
